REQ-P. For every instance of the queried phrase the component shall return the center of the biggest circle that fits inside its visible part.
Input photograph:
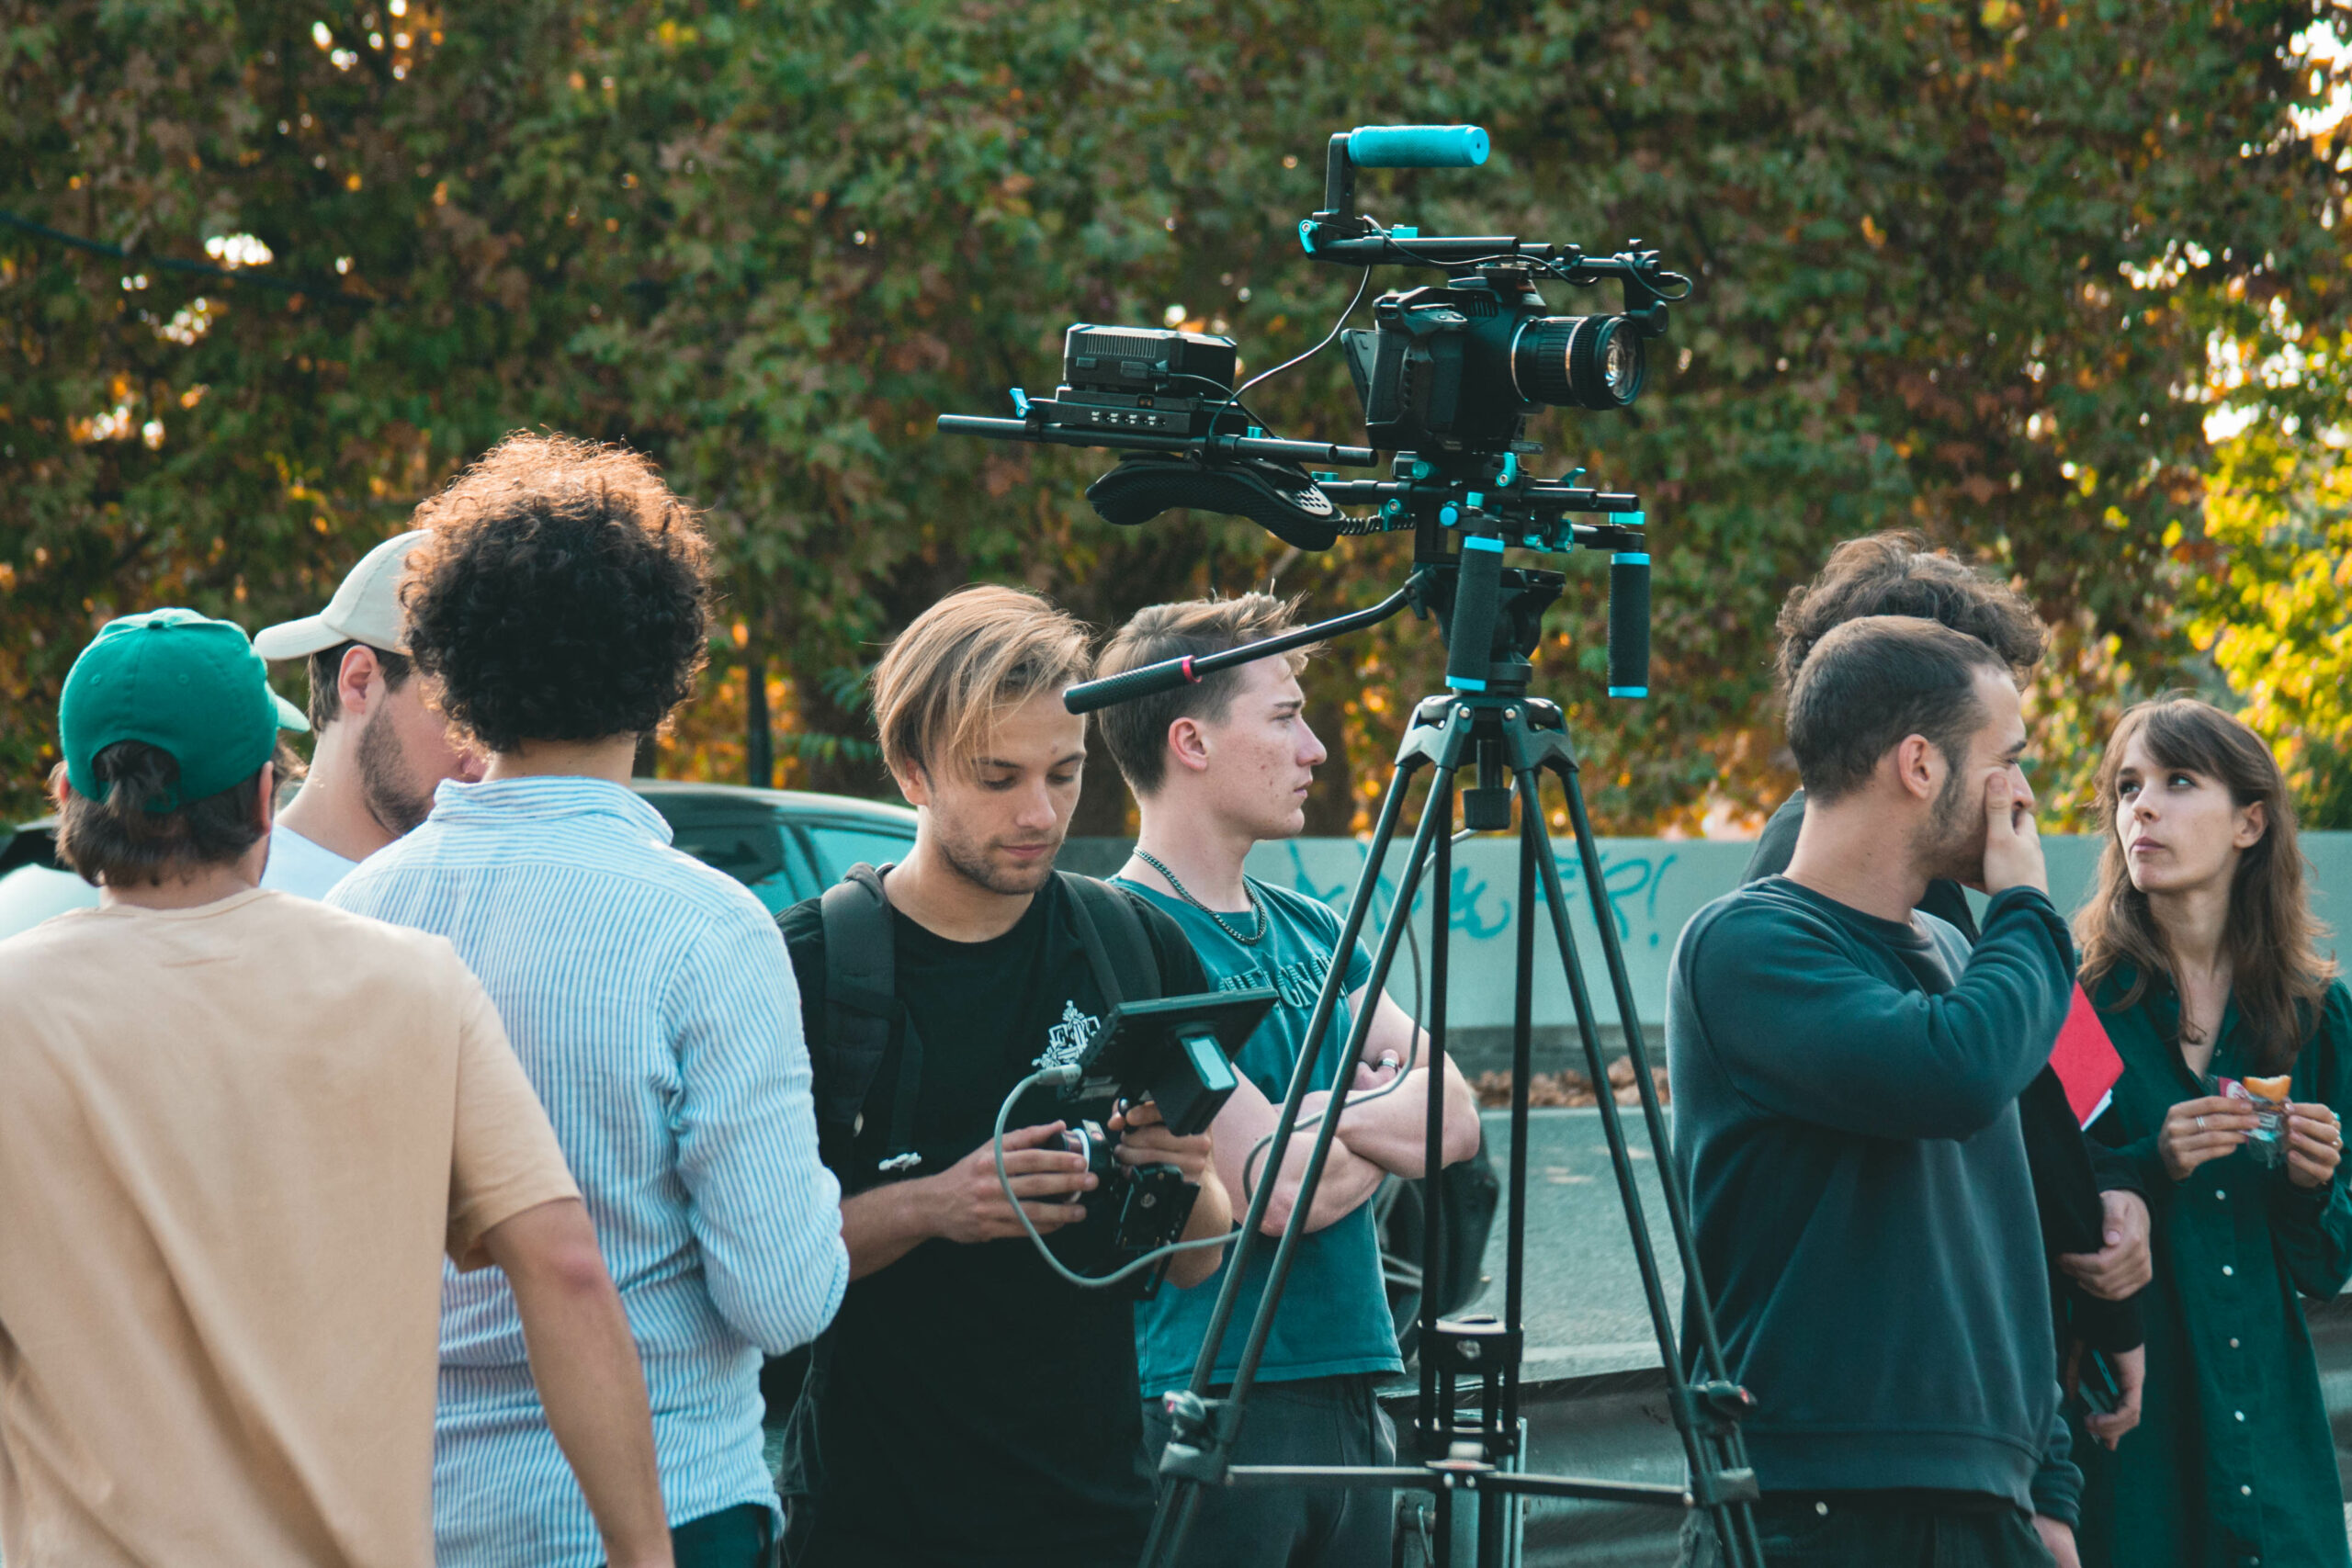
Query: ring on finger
(2200, 1123)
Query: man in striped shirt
(561, 604)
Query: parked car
(786, 845)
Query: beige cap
(365, 608)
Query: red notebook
(2086, 1060)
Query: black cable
(1362, 284)
(1232, 398)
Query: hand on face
(1980, 830)
(2012, 842)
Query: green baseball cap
(181, 682)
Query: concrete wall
(1653, 886)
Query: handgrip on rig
(1416, 146)
(1629, 624)
(1470, 629)
(1127, 685)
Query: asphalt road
(1584, 1305)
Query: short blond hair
(963, 665)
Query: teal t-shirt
(1334, 1313)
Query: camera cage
(1155, 399)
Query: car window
(31, 894)
(788, 887)
(840, 845)
(759, 854)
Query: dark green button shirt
(2233, 1461)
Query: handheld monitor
(1176, 1049)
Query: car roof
(679, 797)
(672, 797)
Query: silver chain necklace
(1256, 909)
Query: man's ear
(266, 799)
(913, 783)
(1188, 743)
(1918, 767)
(354, 676)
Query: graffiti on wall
(1482, 906)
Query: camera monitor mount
(1178, 1049)
(1447, 376)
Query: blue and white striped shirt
(650, 1001)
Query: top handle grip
(1416, 146)
(1144, 680)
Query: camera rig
(1448, 375)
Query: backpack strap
(862, 1014)
(1117, 948)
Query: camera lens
(1585, 362)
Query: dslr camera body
(1146, 1206)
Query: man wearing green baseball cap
(178, 684)
(221, 1227)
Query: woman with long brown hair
(2201, 954)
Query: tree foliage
(1958, 264)
(2275, 614)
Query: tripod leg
(1733, 1524)
(1179, 1503)
(1678, 1208)
(1677, 1202)
(1439, 806)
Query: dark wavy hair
(563, 594)
(1896, 573)
(2278, 977)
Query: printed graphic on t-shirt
(1067, 1041)
(1299, 982)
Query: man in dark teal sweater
(1846, 1074)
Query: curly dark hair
(563, 594)
(1896, 573)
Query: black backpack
(865, 1019)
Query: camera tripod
(1464, 1451)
